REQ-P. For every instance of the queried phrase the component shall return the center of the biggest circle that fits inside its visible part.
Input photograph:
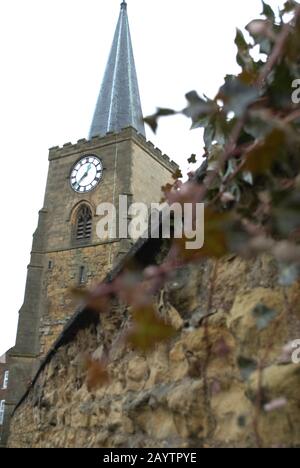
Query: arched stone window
(84, 224)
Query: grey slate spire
(119, 103)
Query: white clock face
(86, 174)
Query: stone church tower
(115, 160)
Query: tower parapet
(98, 141)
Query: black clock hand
(82, 178)
(85, 174)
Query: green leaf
(163, 112)
(289, 6)
(262, 33)
(209, 135)
(199, 109)
(246, 366)
(152, 120)
(193, 98)
(240, 41)
(198, 122)
(192, 159)
(214, 155)
(244, 58)
(280, 86)
(292, 48)
(268, 12)
(263, 316)
(258, 124)
(265, 46)
(236, 95)
(217, 129)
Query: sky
(52, 59)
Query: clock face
(86, 174)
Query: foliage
(252, 146)
(249, 182)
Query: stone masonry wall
(59, 280)
(188, 392)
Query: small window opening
(82, 275)
(2, 409)
(5, 379)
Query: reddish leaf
(177, 174)
(97, 375)
(148, 329)
(260, 159)
(215, 238)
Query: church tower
(115, 160)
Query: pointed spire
(119, 103)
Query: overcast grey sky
(53, 55)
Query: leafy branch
(249, 182)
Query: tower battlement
(95, 142)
